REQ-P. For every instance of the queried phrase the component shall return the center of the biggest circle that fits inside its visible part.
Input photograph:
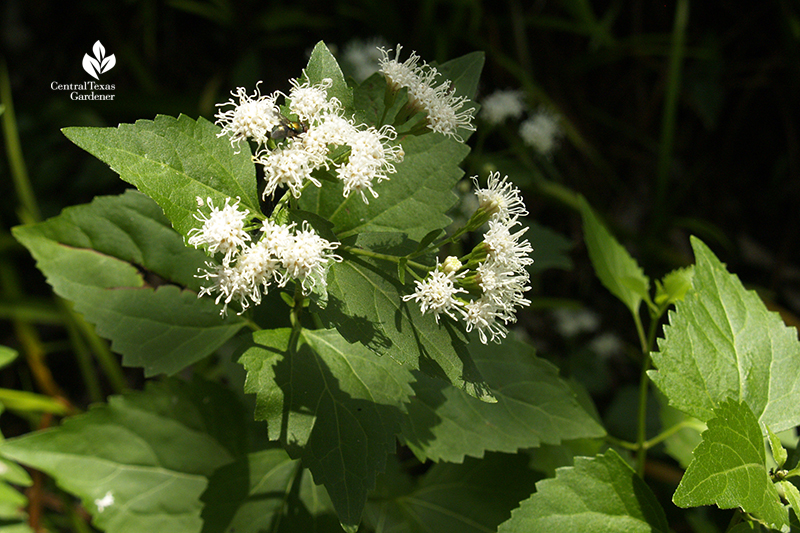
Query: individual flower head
(258, 265)
(500, 199)
(253, 117)
(399, 75)
(502, 105)
(445, 115)
(331, 130)
(542, 131)
(309, 101)
(288, 167)
(482, 314)
(223, 229)
(371, 156)
(440, 103)
(308, 259)
(226, 280)
(506, 248)
(436, 293)
(503, 286)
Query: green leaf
(337, 406)
(674, 286)
(550, 249)
(534, 406)
(474, 497)
(465, 73)
(323, 65)
(134, 468)
(24, 401)
(722, 342)
(258, 493)
(365, 305)
(601, 494)
(779, 453)
(174, 161)
(413, 201)
(791, 493)
(614, 266)
(729, 468)
(7, 356)
(106, 256)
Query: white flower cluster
(502, 105)
(542, 131)
(439, 102)
(282, 254)
(500, 275)
(290, 151)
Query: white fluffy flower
(370, 160)
(445, 115)
(443, 107)
(331, 130)
(503, 104)
(308, 259)
(289, 167)
(399, 75)
(437, 293)
(223, 229)
(253, 117)
(309, 101)
(505, 247)
(482, 314)
(227, 281)
(542, 131)
(500, 197)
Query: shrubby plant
(305, 234)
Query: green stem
(670, 110)
(621, 443)
(667, 433)
(384, 257)
(644, 382)
(295, 318)
(30, 210)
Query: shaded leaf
(614, 266)
(474, 497)
(729, 468)
(174, 161)
(723, 343)
(257, 493)
(365, 305)
(134, 469)
(337, 406)
(534, 406)
(103, 255)
(600, 494)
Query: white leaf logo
(100, 63)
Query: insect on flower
(287, 129)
